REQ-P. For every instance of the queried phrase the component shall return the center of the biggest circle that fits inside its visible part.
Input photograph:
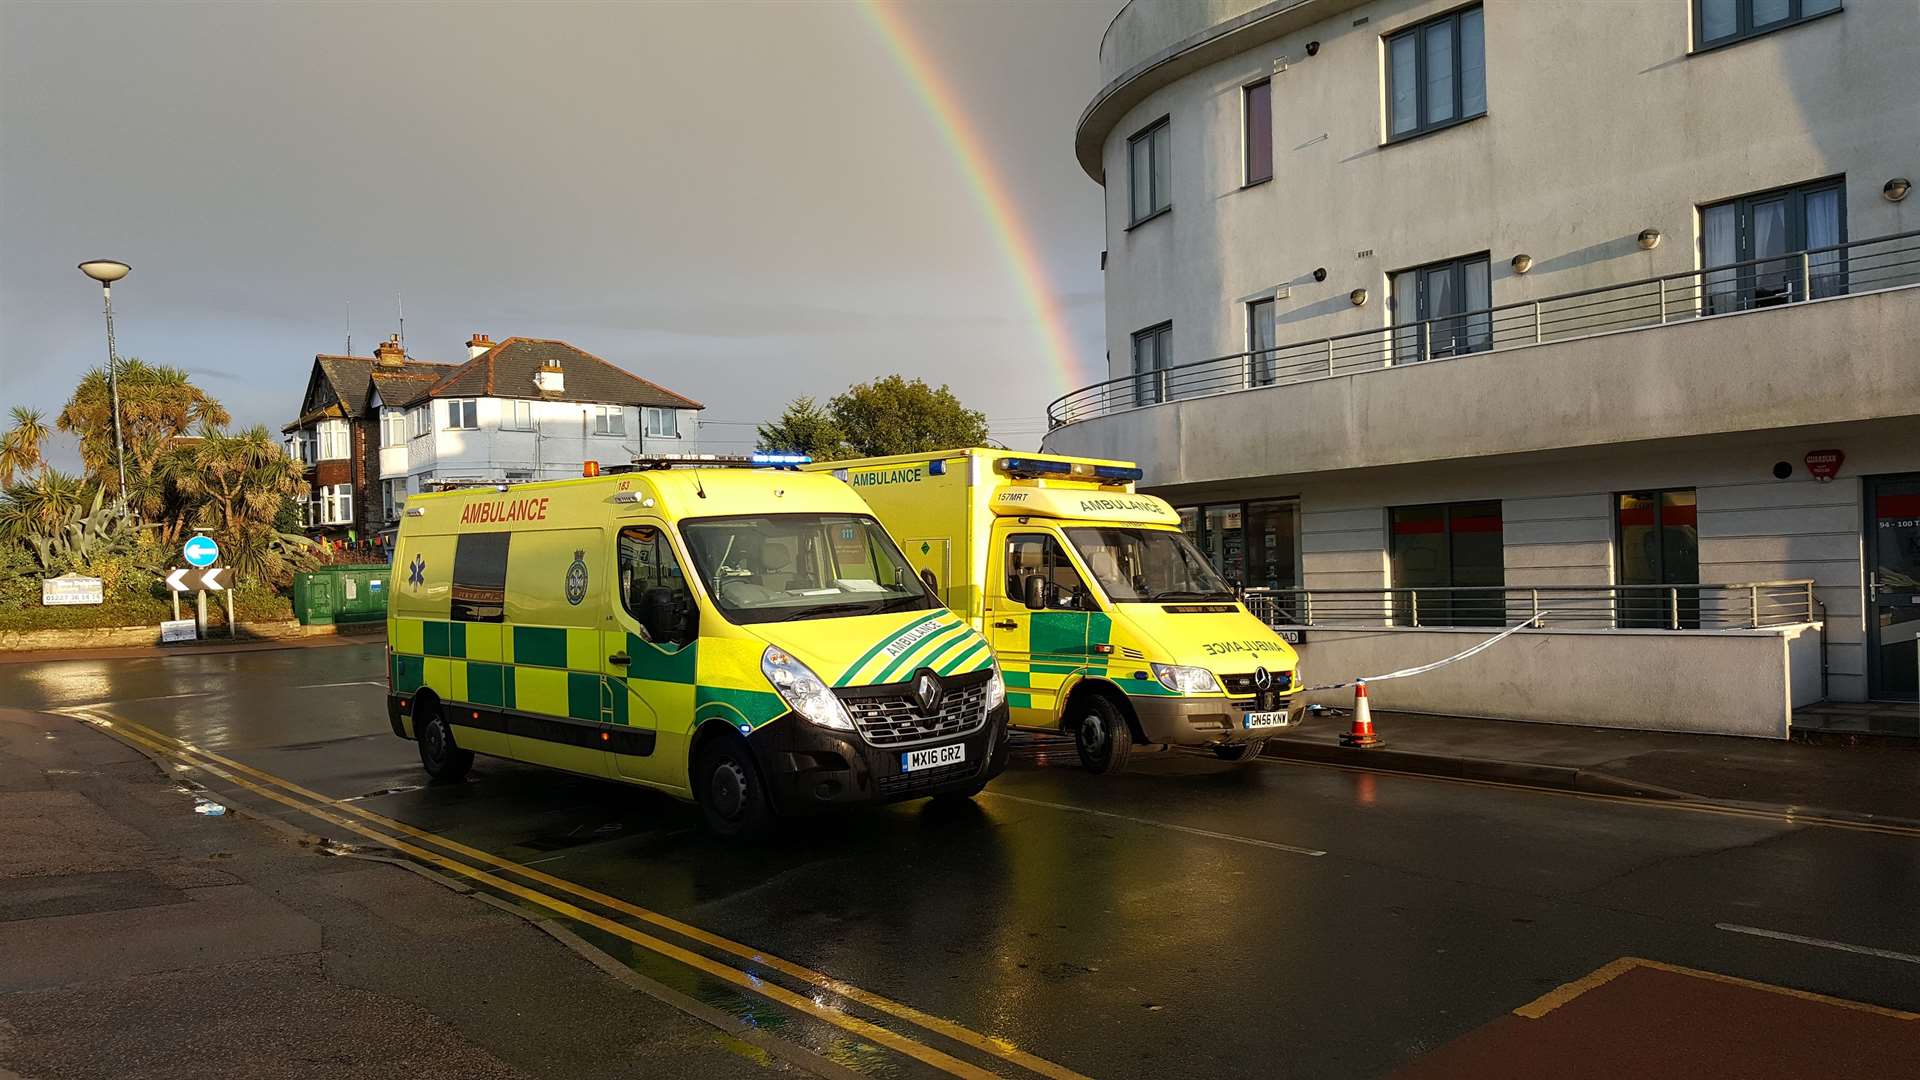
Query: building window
(301, 445)
(1436, 74)
(1774, 226)
(393, 427)
(1717, 22)
(1252, 544)
(519, 415)
(663, 423)
(1261, 333)
(1449, 562)
(333, 444)
(393, 498)
(420, 420)
(1150, 171)
(1658, 545)
(1429, 305)
(1152, 351)
(334, 504)
(1256, 109)
(463, 414)
(609, 420)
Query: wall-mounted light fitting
(1522, 263)
(1319, 273)
(1649, 238)
(1359, 297)
(1313, 48)
(1897, 189)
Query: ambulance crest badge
(577, 578)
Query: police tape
(1404, 673)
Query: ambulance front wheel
(1101, 734)
(439, 754)
(729, 789)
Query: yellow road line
(1560, 995)
(998, 1047)
(866, 1030)
(1686, 806)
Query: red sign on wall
(1825, 464)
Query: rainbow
(989, 187)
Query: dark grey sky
(743, 201)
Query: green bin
(313, 593)
(360, 592)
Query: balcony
(393, 462)
(1820, 336)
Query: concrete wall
(1600, 123)
(1724, 683)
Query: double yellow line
(387, 832)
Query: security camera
(1313, 48)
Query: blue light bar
(1015, 466)
(779, 461)
(1117, 472)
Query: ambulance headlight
(1187, 680)
(802, 689)
(996, 690)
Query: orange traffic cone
(1361, 735)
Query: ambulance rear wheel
(1245, 751)
(439, 754)
(731, 795)
(1101, 735)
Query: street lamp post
(106, 272)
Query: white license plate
(933, 757)
(1265, 720)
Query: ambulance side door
(1038, 648)
(651, 652)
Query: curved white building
(1514, 296)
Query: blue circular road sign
(201, 551)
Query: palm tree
(236, 484)
(158, 405)
(41, 504)
(20, 451)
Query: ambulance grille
(896, 720)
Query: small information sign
(70, 589)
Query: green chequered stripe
(659, 663)
(969, 660)
(1019, 701)
(409, 672)
(1017, 679)
(445, 639)
(541, 646)
(736, 707)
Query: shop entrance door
(1893, 587)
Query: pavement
(1186, 918)
(1869, 782)
(142, 938)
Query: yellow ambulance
(1108, 623)
(746, 638)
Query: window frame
(331, 435)
(1455, 594)
(1744, 29)
(420, 420)
(458, 406)
(1054, 546)
(510, 415)
(336, 504)
(1746, 278)
(1418, 31)
(610, 421)
(1161, 128)
(648, 412)
(1260, 370)
(393, 426)
(1421, 349)
(1161, 387)
(1247, 178)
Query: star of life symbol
(417, 571)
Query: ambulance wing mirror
(1037, 592)
(666, 619)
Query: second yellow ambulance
(1108, 623)
(748, 639)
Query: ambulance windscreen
(782, 567)
(1140, 565)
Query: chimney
(389, 354)
(550, 380)
(478, 344)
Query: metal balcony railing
(1745, 606)
(1882, 262)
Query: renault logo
(926, 691)
(1262, 679)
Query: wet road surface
(1188, 918)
